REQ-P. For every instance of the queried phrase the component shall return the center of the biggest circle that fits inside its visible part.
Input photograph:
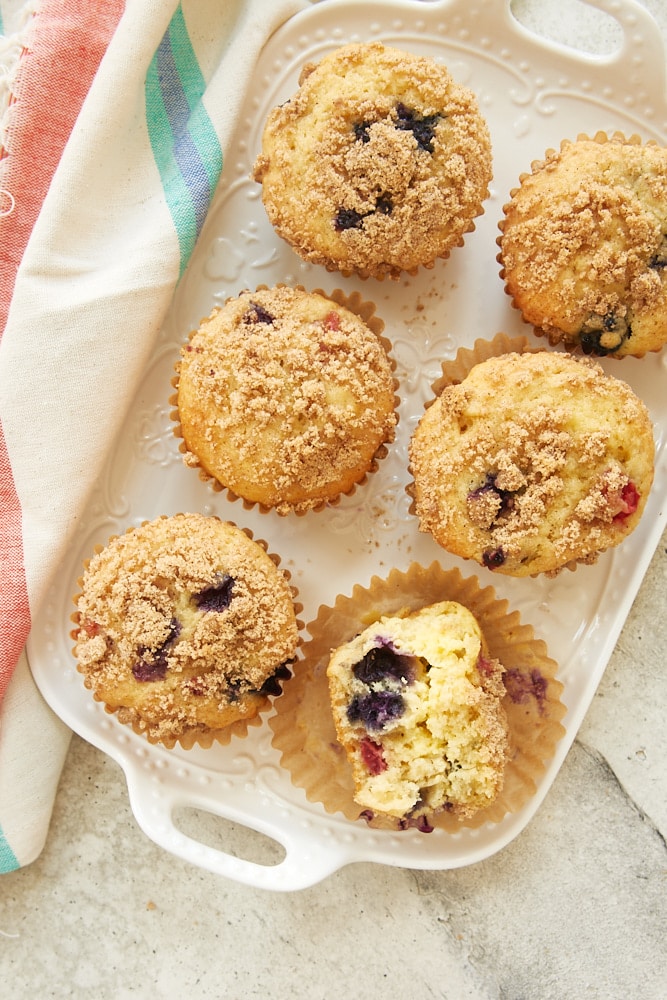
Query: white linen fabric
(98, 273)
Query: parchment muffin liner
(554, 336)
(200, 737)
(303, 726)
(355, 303)
(456, 370)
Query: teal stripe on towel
(185, 145)
(8, 862)
(194, 86)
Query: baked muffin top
(535, 460)
(584, 246)
(417, 706)
(285, 397)
(181, 624)
(378, 164)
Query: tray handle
(308, 860)
(641, 57)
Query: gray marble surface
(575, 907)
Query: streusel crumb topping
(181, 622)
(285, 397)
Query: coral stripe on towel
(55, 74)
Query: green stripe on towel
(185, 145)
(8, 861)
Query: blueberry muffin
(533, 462)
(584, 246)
(377, 165)
(417, 705)
(185, 626)
(414, 628)
(286, 398)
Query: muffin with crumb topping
(286, 397)
(184, 628)
(377, 165)
(532, 462)
(584, 246)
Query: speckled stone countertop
(574, 908)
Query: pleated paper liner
(364, 310)
(303, 726)
(552, 333)
(201, 736)
(455, 371)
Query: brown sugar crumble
(289, 411)
(155, 645)
(523, 485)
(583, 246)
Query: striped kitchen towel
(115, 123)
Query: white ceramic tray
(533, 94)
